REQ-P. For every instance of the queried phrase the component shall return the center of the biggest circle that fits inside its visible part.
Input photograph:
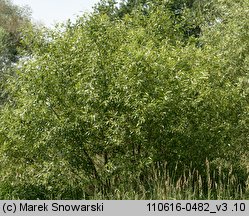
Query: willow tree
(105, 98)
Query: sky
(50, 12)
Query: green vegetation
(12, 20)
(151, 103)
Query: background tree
(12, 20)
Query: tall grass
(158, 183)
(155, 182)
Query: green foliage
(104, 99)
(12, 20)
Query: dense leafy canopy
(107, 97)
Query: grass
(155, 182)
(158, 184)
